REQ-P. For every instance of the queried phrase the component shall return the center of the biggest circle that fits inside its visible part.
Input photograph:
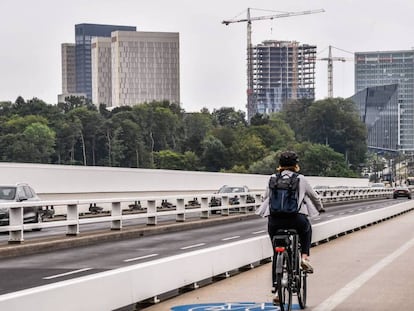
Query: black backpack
(284, 193)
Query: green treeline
(327, 134)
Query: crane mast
(251, 102)
(330, 61)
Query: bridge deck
(370, 269)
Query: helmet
(288, 158)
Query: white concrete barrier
(114, 289)
(49, 179)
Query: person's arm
(313, 196)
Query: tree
(321, 160)
(334, 122)
(229, 117)
(248, 149)
(214, 154)
(196, 127)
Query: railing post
(72, 214)
(205, 212)
(16, 219)
(225, 203)
(151, 210)
(116, 211)
(180, 208)
(243, 207)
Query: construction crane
(330, 61)
(251, 103)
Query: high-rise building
(68, 68)
(145, 66)
(391, 67)
(83, 40)
(282, 71)
(378, 109)
(101, 71)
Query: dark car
(402, 192)
(19, 193)
(233, 199)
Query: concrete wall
(64, 179)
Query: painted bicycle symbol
(240, 306)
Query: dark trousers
(299, 222)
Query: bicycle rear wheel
(302, 288)
(283, 282)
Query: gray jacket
(310, 203)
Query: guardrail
(148, 280)
(151, 208)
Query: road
(39, 269)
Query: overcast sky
(212, 55)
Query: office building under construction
(282, 71)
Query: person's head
(288, 160)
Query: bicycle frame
(288, 277)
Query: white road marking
(317, 218)
(330, 216)
(139, 258)
(333, 301)
(231, 238)
(192, 246)
(65, 274)
(258, 232)
(341, 213)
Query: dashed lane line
(193, 246)
(65, 274)
(341, 295)
(231, 238)
(259, 232)
(139, 258)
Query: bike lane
(370, 269)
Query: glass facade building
(378, 109)
(282, 71)
(83, 40)
(391, 67)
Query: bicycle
(288, 276)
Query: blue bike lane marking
(235, 306)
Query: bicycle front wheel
(283, 281)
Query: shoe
(273, 290)
(276, 300)
(306, 266)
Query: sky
(212, 55)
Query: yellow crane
(251, 104)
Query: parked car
(402, 192)
(18, 193)
(234, 199)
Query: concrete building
(282, 71)
(378, 109)
(83, 40)
(391, 67)
(68, 68)
(145, 67)
(101, 71)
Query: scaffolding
(282, 71)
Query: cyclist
(309, 205)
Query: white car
(18, 193)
